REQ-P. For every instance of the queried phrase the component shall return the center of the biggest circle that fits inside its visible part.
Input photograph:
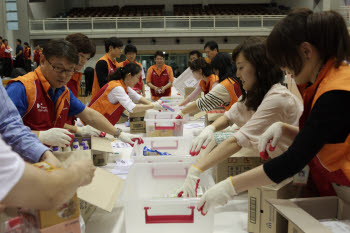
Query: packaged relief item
(148, 152)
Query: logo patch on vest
(41, 108)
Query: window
(11, 15)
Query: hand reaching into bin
(190, 186)
(130, 138)
(202, 141)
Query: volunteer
(202, 71)
(118, 95)
(194, 55)
(23, 185)
(7, 59)
(44, 101)
(19, 137)
(300, 45)
(107, 64)
(27, 57)
(86, 50)
(226, 93)
(211, 49)
(37, 53)
(131, 53)
(159, 77)
(264, 102)
(19, 62)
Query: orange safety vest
(42, 113)
(101, 103)
(207, 86)
(233, 88)
(332, 162)
(207, 59)
(37, 54)
(112, 67)
(27, 54)
(138, 86)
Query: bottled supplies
(76, 147)
(67, 149)
(85, 141)
(82, 144)
(75, 142)
(85, 147)
(57, 149)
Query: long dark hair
(121, 72)
(223, 62)
(201, 64)
(326, 31)
(267, 73)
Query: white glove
(274, 133)
(180, 115)
(202, 141)
(218, 195)
(157, 106)
(56, 137)
(189, 188)
(88, 131)
(130, 138)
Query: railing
(155, 23)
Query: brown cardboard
(213, 115)
(160, 133)
(261, 217)
(244, 160)
(137, 127)
(303, 214)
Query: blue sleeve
(17, 93)
(76, 106)
(15, 134)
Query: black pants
(7, 67)
(28, 65)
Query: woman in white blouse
(264, 102)
(117, 95)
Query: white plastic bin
(178, 147)
(163, 124)
(147, 210)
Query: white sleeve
(118, 95)
(11, 169)
(134, 95)
(143, 74)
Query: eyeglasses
(61, 70)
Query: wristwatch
(117, 133)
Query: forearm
(168, 85)
(152, 86)
(143, 100)
(219, 154)
(250, 179)
(51, 188)
(190, 108)
(221, 123)
(71, 128)
(290, 131)
(97, 120)
(142, 107)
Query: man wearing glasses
(107, 64)
(44, 101)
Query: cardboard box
(303, 215)
(261, 217)
(161, 133)
(105, 187)
(138, 127)
(242, 161)
(57, 218)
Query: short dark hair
(158, 53)
(121, 72)
(326, 31)
(114, 42)
(18, 40)
(201, 64)
(223, 62)
(267, 73)
(212, 45)
(193, 52)
(130, 49)
(26, 43)
(82, 43)
(62, 49)
(4, 40)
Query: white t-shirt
(118, 95)
(279, 104)
(11, 169)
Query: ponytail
(121, 72)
